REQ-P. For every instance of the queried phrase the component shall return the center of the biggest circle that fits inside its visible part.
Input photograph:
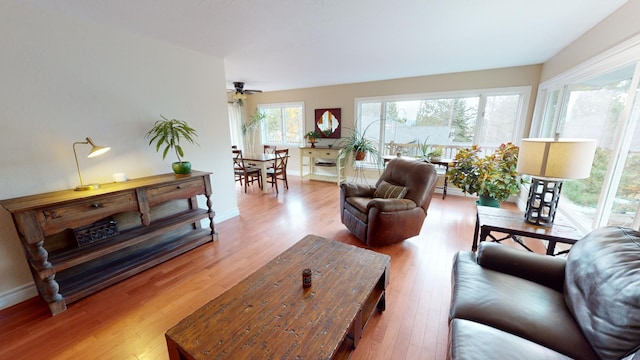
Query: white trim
(616, 57)
(18, 295)
(447, 94)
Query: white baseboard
(220, 217)
(17, 295)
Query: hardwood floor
(128, 320)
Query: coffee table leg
(357, 329)
(382, 304)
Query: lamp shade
(556, 158)
(95, 149)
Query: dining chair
(244, 173)
(279, 170)
(269, 149)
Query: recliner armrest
(355, 189)
(389, 205)
(542, 269)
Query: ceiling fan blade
(252, 91)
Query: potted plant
(358, 145)
(312, 137)
(169, 133)
(250, 127)
(492, 177)
(435, 154)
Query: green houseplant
(168, 134)
(250, 127)
(435, 154)
(491, 177)
(313, 136)
(358, 145)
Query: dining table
(264, 161)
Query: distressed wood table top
(270, 315)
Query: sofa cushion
(386, 190)
(472, 340)
(524, 308)
(602, 290)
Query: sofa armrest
(354, 189)
(389, 205)
(542, 269)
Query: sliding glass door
(601, 106)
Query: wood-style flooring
(129, 320)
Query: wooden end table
(270, 315)
(511, 223)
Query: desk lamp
(95, 151)
(549, 162)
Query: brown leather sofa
(383, 214)
(510, 304)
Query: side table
(512, 224)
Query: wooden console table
(511, 223)
(322, 164)
(156, 218)
(269, 315)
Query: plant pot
(488, 201)
(360, 155)
(181, 167)
(435, 158)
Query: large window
(487, 118)
(284, 123)
(598, 101)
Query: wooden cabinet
(322, 164)
(155, 218)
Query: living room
(66, 79)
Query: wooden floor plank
(128, 320)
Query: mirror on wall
(328, 122)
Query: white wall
(64, 80)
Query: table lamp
(95, 151)
(549, 162)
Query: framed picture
(328, 122)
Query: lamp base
(543, 201)
(87, 187)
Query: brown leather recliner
(507, 303)
(395, 208)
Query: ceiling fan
(240, 93)
(239, 89)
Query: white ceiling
(290, 44)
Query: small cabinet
(158, 217)
(323, 164)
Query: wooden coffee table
(270, 315)
(511, 223)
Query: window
(599, 101)
(487, 118)
(284, 123)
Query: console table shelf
(158, 218)
(322, 158)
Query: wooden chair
(279, 170)
(244, 173)
(269, 149)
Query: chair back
(417, 176)
(269, 149)
(238, 161)
(282, 157)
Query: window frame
(618, 57)
(523, 108)
(283, 124)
